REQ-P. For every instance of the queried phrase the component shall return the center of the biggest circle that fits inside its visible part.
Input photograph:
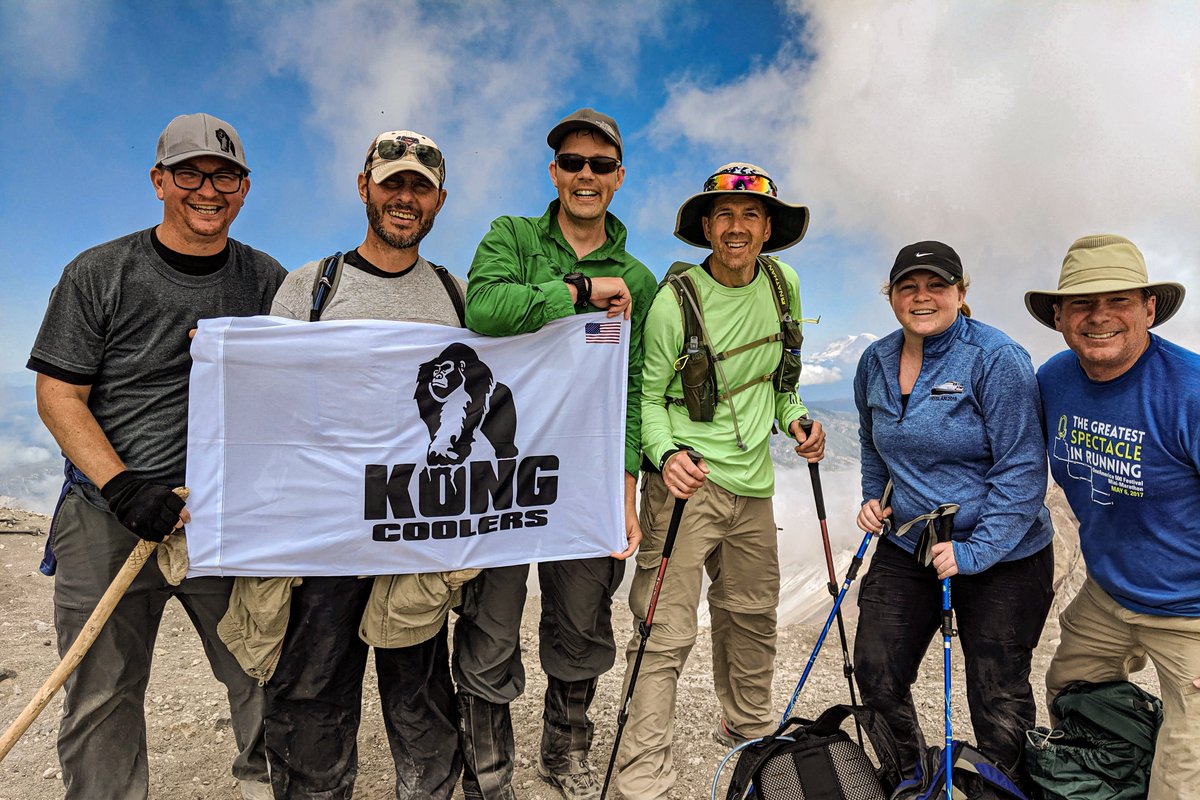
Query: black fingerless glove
(149, 510)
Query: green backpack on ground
(1102, 747)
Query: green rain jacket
(516, 286)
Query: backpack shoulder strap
(329, 273)
(690, 312)
(454, 290)
(753, 754)
(879, 734)
(770, 266)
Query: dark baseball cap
(936, 257)
(585, 119)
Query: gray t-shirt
(415, 295)
(121, 315)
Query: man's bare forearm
(64, 410)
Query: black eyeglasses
(601, 165)
(394, 149)
(191, 179)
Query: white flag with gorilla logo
(371, 448)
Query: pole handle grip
(945, 522)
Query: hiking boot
(577, 782)
(255, 790)
(726, 736)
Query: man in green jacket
(730, 527)
(527, 272)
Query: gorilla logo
(457, 395)
(225, 142)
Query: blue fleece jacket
(971, 434)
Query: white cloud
(1005, 129)
(16, 456)
(817, 373)
(47, 40)
(482, 79)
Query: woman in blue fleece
(949, 411)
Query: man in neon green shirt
(729, 528)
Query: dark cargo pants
(102, 737)
(314, 701)
(999, 614)
(576, 646)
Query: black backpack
(329, 274)
(818, 760)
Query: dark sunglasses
(395, 149)
(601, 165)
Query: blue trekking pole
(945, 526)
(851, 573)
(645, 626)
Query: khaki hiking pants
(1104, 641)
(733, 539)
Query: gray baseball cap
(586, 119)
(192, 135)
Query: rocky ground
(191, 744)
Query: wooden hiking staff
(87, 637)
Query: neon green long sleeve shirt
(516, 286)
(732, 316)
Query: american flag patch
(602, 333)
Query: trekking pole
(814, 473)
(645, 626)
(851, 574)
(138, 557)
(945, 526)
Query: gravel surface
(191, 745)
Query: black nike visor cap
(936, 257)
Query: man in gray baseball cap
(112, 387)
(1122, 411)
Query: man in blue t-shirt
(1122, 411)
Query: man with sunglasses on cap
(314, 693)
(747, 347)
(112, 387)
(1122, 409)
(528, 271)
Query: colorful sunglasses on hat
(734, 181)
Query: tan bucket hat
(788, 221)
(1104, 263)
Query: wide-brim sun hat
(1100, 264)
(788, 222)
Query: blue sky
(1004, 129)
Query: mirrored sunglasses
(731, 181)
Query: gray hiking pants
(102, 737)
(576, 646)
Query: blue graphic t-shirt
(1127, 454)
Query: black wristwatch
(583, 288)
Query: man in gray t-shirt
(112, 387)
(314, 696)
